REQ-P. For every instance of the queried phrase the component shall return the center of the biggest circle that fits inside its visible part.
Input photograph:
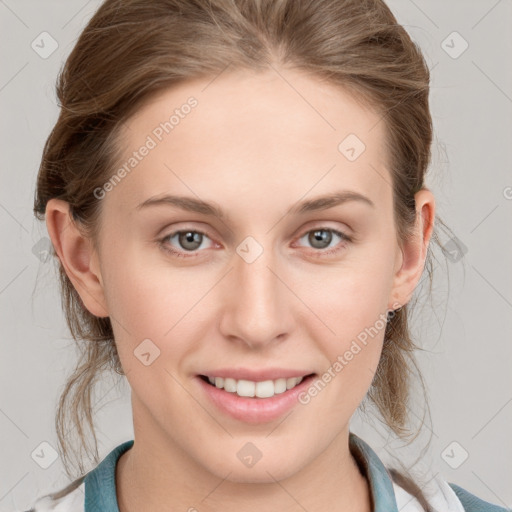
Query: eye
(321, 238)
(189, 241)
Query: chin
(260, 473)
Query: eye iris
(186, 237)
(317, 236)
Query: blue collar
(100, 483)
(381, 486)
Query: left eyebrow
(209, 208)
(329, 201)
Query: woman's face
(264, 288)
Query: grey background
(467, 335)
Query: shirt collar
(100, 483)
(381, 486)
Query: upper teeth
(264, 389)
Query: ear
(410, 260)
(77, 255)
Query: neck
(156, 474)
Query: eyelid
(325, 225)
(345, 239)
(180, 253)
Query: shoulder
(472, 503)
(69, 499)
(443, 496)
(98, 485)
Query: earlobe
(414, 251)
(77, 256)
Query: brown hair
(132, 49)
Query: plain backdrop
(465, 331)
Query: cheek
(351, 309)
(145, 291)
(352, 352)
(147, 300)
(349, 298)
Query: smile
(253, 401)
(249, 388)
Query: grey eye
(190, 240)
(320, 238)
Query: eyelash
(320, 252)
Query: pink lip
(256, 375)
(254, 410)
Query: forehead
(254, 136)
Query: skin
(255, 146)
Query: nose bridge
(256, 311)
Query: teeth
(245, 388)
(292, 382)
(280, 386)
(248, 388)
(229, 385)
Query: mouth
(253, 402)
(255, 389)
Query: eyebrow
(192, 204)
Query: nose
(258, 309)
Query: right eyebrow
(190, 204)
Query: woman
(235, 194)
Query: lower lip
(255, 410)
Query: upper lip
(255, 374)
